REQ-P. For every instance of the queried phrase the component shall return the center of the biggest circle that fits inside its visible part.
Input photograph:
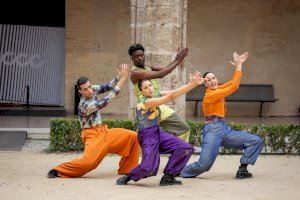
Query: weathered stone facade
(98, 34)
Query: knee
(187, 149)
(186, 128)
(259, 141)
(132, 135)
(206, 165)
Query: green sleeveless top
(165, 111)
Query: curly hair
(134, 48)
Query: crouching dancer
(97, 138)
(217, 133)
(154, 141)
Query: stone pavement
(23, 176)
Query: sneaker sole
(189, 177)
(166, 184)
(51, 176)
(243, 177)
(121, 183)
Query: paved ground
(23, 176)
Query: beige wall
(98, 36)
(97, 39)
(269, 30)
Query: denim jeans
(217, 134)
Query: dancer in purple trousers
(155, 141)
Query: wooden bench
(246, 93)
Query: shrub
(65, 135)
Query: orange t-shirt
(214, 100)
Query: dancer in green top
(169, 120)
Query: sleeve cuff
(239, 73)
(117, 89)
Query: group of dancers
(160, 129)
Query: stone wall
(98, 34)
(97, 39)
(268, 30)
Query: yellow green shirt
(165, 111)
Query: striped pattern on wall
(33, 56)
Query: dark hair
(206, 74)
(82, 80)
(141, 83)
(134, 48)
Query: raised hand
(238, 60)
(124, 70)
(202, 81)
(181, 54)
(195, 78)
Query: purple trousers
(155, 141)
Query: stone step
(32, 133)
(33, 111)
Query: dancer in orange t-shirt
(217, 133)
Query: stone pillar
(160, 26)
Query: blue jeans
(217, 134)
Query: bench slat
(246, 92)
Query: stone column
(160, 26)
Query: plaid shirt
(89, 109)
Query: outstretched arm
(99, 104)
(222, 92)
(237, 62)
(195, 80)
(164, 93)
(159, 72)
(224, 85)
(107, 86)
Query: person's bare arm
(159, 72)
(164, 93)
(157, 68)
(195, 80)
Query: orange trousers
(99, 141)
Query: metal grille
(33, 56)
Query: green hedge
(279, 139)
(65, 134)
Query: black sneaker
(123, 180)
(243, 173)
(53, 173)
(169, 179)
